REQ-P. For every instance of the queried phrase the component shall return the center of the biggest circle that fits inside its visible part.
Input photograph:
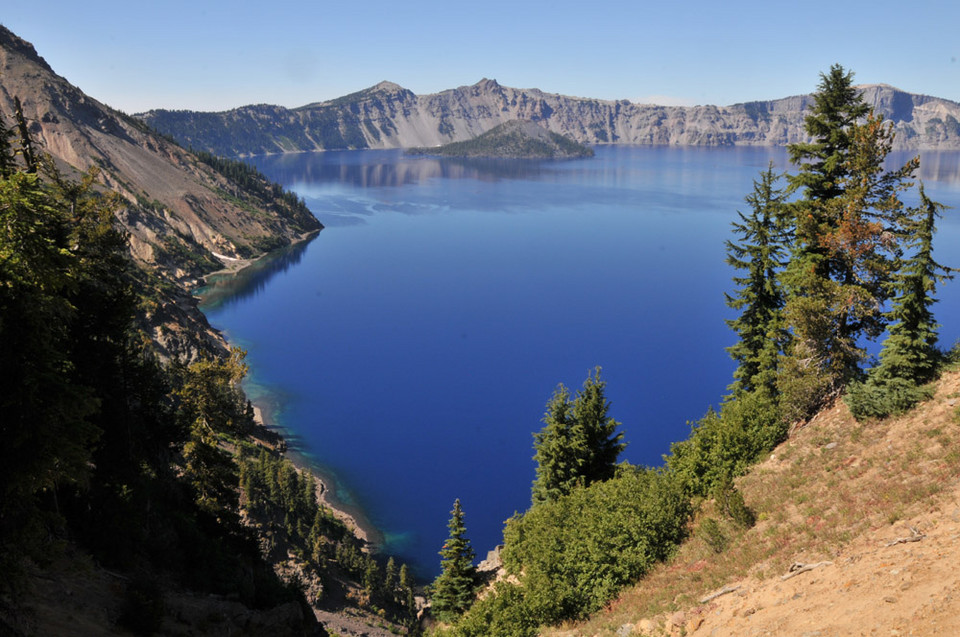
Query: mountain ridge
(387, 115)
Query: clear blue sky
(216, 54)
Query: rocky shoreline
(265, 412)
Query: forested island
(519, 139)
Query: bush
(879, 399)
(723, 445)
(503, 612)
(730, 502)
(575, 553)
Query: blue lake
(410, 349)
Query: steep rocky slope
(873, 507)
(184, 218)
(390, 116)
(180, 212)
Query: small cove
(410, 348)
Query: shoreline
(232, 266)
(265, 414)
(351, 515)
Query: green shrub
(876, 399)
(730, 502)
(724, 444)
(575, 553)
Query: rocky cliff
(390, 116)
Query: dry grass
(832, 482)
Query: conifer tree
(762, 241)
(909, 356)
(452, 591)
(837, 106)
(579, 444)
(844, 249)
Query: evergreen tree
(909, 357)
(390, 577)
(452, 591)
(844, 248)
(579, 444)
(47, 413)
(910, 350)
(837, 106)
(759, 250)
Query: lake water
(410, 348)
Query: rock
(693, 624)
(492, 562)
(625, 631)
(678, 619)
(830, 445)
(645, 627)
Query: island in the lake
(517, 139)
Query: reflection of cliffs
(389, 116)
(229, 289)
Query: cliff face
(389, 116)
(183, 217)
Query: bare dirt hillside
(858, 533)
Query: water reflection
(389, 168)
(224, 290)
(940, 166)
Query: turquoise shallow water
(411, 347)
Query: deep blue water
(410, 348)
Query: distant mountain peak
(387, 86)
(488, 84)
(388, 116)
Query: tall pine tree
(579, 444)
(454, 587)
(844, 249)
(760, 249)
